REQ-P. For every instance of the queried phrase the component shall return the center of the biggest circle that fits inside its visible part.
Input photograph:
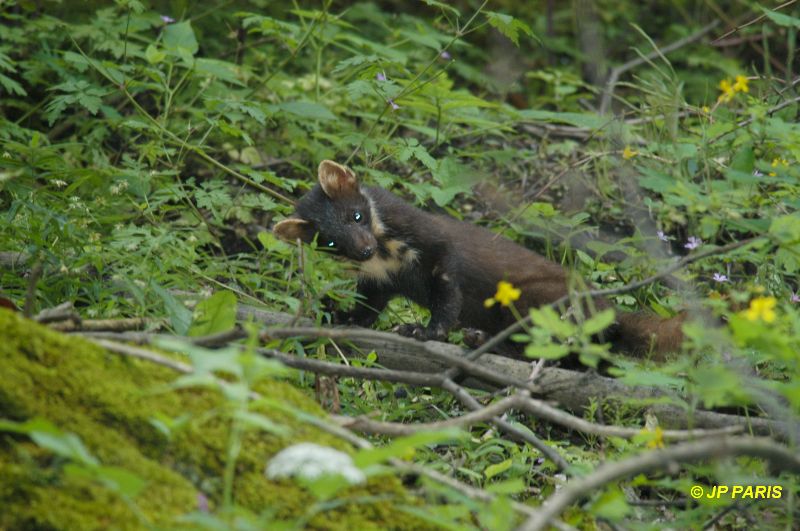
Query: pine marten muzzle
(448, 266)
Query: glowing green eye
(331, 243)
(357, 216)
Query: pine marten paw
(422, 333)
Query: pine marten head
(337, 212)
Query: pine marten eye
(357, 216)
(331, 243)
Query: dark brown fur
(446, 265)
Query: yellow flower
(628, 153)
(727, 91)
(705, 109)
(506, 294)
(740, 85)
(761, 308)
(778, 162)
(657, 440)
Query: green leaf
(179, 316)
(599, 321)
(214, 315)
(548, 319)
(304, 109)
(154, 55)
(404, 446)
(48, 436)
(180, 38)
(509, 486)
(261, 422)
(780, 19)
(587, 120)
(496, 469)
(611, 504)
(508, 26)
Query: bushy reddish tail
(640, 333)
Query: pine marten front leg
(442, 295)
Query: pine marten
(448, 266)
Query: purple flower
(693, 242)
(202, 503)
(719, 277)
(380, 76)
(393, 104)
(445, 55)
(661, 236)
(167, 20)
(795, 297)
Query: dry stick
(469, 402)
(617, 71)
(457, 362)
(338, 431)
(63, 312)
(503, 335)
(778, 455)
(102, 325)
(532, 406)
(757, 19)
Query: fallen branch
(537, 408)
(778, 455)
(101, 325)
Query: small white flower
(310, 461)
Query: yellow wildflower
(506, 294)
(705, 109)
(657, 440)
(727, 91)
(740, 84)
(761, 308)
(778, 162)
(628, 153)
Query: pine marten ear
(292, 229)
(336, 180)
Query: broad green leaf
(780, 19)
(599, 321)
(508, 26)
(179, 38)
(497, 468)
(305, 109)
(214, 315)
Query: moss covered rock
(109, 402)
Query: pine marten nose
(367, 252)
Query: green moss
(108, 401)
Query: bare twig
(751, 22)
(63, 312)
(778, 455)
(101, 325)
(430, 347)
(469, 401)
(538, 409)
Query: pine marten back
(446, 265)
